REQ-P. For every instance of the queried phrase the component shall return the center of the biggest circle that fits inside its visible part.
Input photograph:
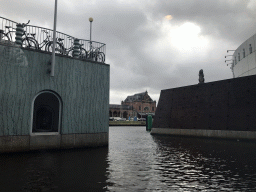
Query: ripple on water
(182, 164)
(136, 161)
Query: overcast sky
(150, 44)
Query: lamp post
(91, 20)
(54, 39)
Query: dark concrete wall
(222, 105)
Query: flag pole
(54, 40)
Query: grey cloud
(222, 18)
(131, 30)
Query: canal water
(135, 161)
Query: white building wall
(247, 65)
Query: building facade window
(153, 109)
(250, 48)
(243, 53)
(146, 109)
(235, 61)
(139, 108)
(238, 56)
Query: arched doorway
(47, 107)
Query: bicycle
(96, 54)
(59, 47)
(7, 36)
(45, 42)
(26, 42)
(82, 52)
(29, 41)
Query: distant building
(243, 61)
(137, 105)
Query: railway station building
(138, 105)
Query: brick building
(139, 105)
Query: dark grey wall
(222, 105)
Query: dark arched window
(146, 109)
(46, 112)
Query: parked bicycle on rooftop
(29, 40)
(7, 36)
(39, 38)
(96, 54)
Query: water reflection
(130, 159)
(139, 161)
(135, 161)
(67, 170)
(206, 164)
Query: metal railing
(7, 30)
(40, 38)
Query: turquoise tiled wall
(82, 85)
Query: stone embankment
(127, 123)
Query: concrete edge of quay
(59, 141)
(224, 134)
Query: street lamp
(91, 20)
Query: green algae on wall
(83, 87)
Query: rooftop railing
(40, 38)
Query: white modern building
(244, 58)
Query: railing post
(76, 48)
(19, 33)
(1, 34)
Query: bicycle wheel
(83, 53)
(91, 55)
(100, 57)
(70, 53)
(30, 43)
(47, 45)
(58, 49)
(5, 38)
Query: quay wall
(223, 109)
(81, 85)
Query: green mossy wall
(82, 85)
